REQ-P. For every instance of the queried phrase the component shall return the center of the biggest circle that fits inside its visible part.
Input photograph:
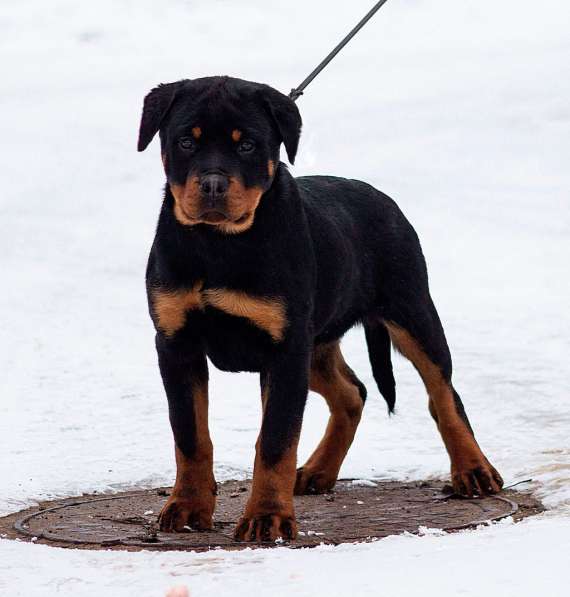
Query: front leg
(269, 513)
(184, 372)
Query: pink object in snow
(180, 591)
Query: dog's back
(365, 249)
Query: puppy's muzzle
(213, 188)
(213, 198)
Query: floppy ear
(287, 118)
(156, 106)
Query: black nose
(214, 185)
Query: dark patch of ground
(355, 512)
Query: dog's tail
(379, 352)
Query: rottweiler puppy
(260, 271)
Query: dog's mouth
(214, 217)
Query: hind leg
(331, 377)
(419, 336)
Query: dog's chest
(229, 320)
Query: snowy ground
(458, 110)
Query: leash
(297, 92)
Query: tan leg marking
(269, 512)
(271, 168)
(193, 498)
(467, 460)
(330, 377)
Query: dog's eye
(246, 146)
(187, 143)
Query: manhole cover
(356, 511)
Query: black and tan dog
(260, 271)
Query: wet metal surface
(356, 511)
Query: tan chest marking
(171, 307)
(265, 313)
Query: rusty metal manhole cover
(356, 511)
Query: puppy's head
(220, 140)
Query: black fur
(336, 251)
(379, 349)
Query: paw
(265, 527)
(480, 478)
(313, 481)
(180, 512)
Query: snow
(458, 110)
(529, 558)
(363, 483)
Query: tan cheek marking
(177, 191)
(178, 194)
(187, 195)
(171, 306)
(271, 167)
(196, 132)
(236, 135)
(265, 313)
(240, 202)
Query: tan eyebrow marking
(236, 135)
(196, 132)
